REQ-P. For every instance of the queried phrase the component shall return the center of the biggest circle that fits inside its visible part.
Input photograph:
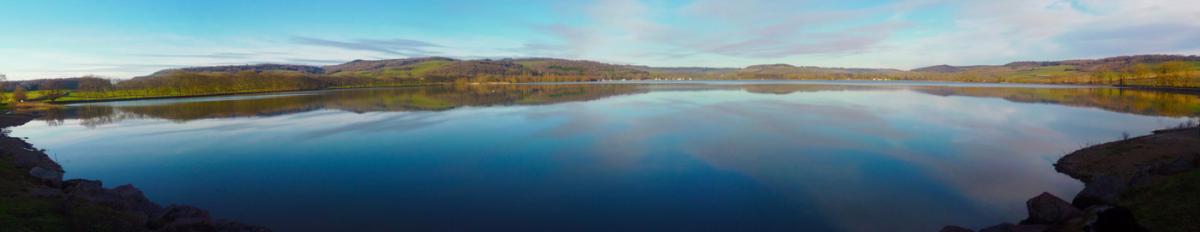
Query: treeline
(180, 83)
(213, 83)
(1166, 74)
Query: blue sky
(121, 39)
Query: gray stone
(1049, 209)
(54, 178)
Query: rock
(132, 198)
(1005, 227)
(1115, 219)
(81, 187)
(43, 191)
(955, 229)
(1181, 164)
(124, 197)
(51, 177)
(1031, 228)
(187, 218)
(182, 218)
(1009, 227)
(1102, 190)
(1049, 209)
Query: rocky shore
(1147, 183)
(34, 197)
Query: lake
(747, 156)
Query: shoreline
(34, 197)
(1130, 87)
(1145, 183)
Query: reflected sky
(602, 157)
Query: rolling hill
(1139, 69)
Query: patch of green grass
(85, 216)
(12, 180)
(30, 214)
(28, 94)
(20, 212)
(1170, 205)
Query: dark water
(716, 156)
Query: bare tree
(19, 94)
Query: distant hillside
(1113, 70)
(561, 67)
(1158, 70)
(398, 68)
(786, 71)
(256, 68)
(940, 69)
(446, 68)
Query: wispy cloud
(218, 55)
(885, 34)
(403, 47)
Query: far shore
(1132, 87)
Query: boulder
(81, 187)
(1115, 219)
(124, 197)
(1102, 190)
(1009, 227)
(48, 176)
(182, 218)
(1049, 209)
(1181, 164)
(178, 218)
(955, 229)
(1005, 227)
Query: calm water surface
(680, 156)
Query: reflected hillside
(1143, 102)
(434, 98)
(438, 98)
(1135, 101)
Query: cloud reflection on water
(795, 156)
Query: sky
(123, 39)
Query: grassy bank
(1171, 205)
